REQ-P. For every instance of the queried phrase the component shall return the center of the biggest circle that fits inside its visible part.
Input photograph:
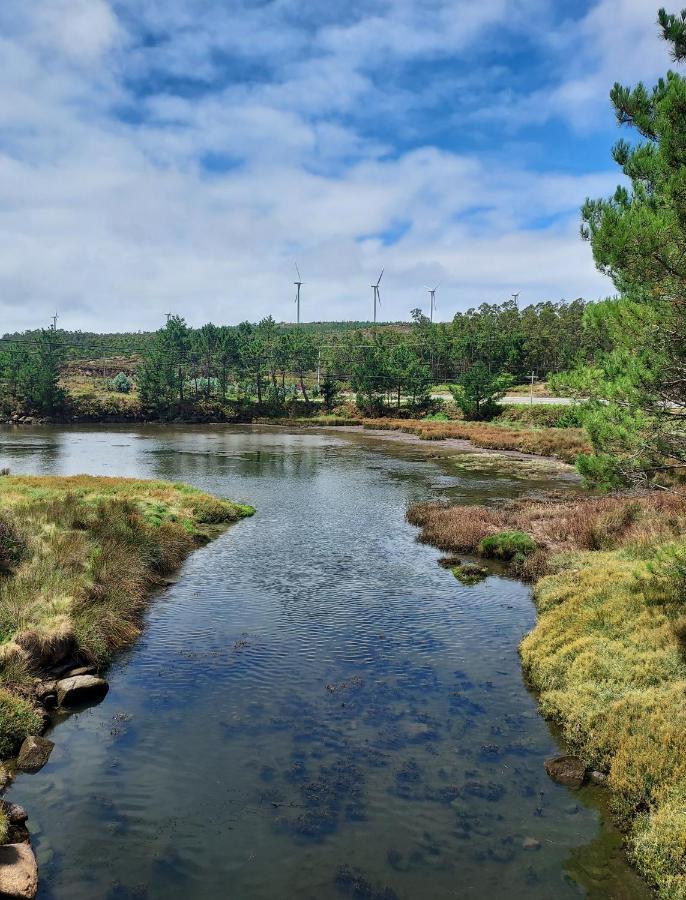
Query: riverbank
(607, 653)
(564, 444)
(79, 558)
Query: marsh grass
(607, 652)
(564, 444)
(561, 443)
(84, 554)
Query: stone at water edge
(567, 770)
(18, 872)
(16, 815)
(18, 833)
(81, 689)
(34, 753)
(82, 670)
(530, 843)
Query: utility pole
(515, 296)
(531, 389)
(319, 365)
(169, 315)
(54, 321)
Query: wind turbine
(377, 294)
(298, 284)
(432, 294)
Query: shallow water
(315, 709)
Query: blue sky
(180, 155)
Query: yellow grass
(607, 651)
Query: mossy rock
(469, 573)
(507, 545)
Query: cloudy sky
(180, 155)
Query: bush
(507, 545)
(122, 383)
(550, 415)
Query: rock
(5, 777)
(81, 689)
(567, 770)
(18, 871)
(34, 753)
(597, 777)
(83, 670)
(530, 843)
(44, 689)
(16, 815)
(18, 833)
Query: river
(315, 709)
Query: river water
(315, 709)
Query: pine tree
(638, 236)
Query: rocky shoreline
(68, 686)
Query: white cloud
(116, 219)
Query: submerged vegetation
(79, 556)
(607, 652)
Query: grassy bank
(79, 557)
(561, 443)
(607, 651)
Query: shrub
(122, 383)
(507, 545)
(549, 415)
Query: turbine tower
(432, 294)
(377, 294)
(298, 284)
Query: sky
(181, 155)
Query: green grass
(80, 556)
(507, 545)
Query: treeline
(272, 364)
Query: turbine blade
(380, 277)
(298, 271)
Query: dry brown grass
(557, 524)
(561, 443)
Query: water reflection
(316, 709)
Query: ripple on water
(315, 709)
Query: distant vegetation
(217, 370)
